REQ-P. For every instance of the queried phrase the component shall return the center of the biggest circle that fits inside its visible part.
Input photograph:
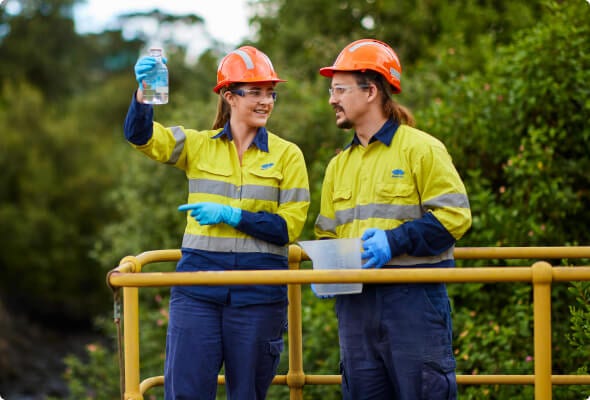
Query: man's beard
(346, 124)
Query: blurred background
(505, 84)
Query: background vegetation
(505, 84)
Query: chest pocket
(268, 174)
(212, 179)
(342, 197)
(396, 192)
(265, 185)
(207, 170)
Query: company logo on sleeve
(266, 166)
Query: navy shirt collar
(260, 140)
(384, 134)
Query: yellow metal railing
(541, 274)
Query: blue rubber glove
(144, 66)
(320, 296)
(213, 213)
(376, 248)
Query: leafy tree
(31, 46)
(48, 209)
(579, 336)
(520, 136)
(520, 131)
(417, 30)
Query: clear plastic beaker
(335, 254)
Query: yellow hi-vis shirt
(384, 186)
(275, 182)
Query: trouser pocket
(439, 382)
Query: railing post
(295, 375)
(131, 335)
(542, 277)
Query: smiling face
(347, 98)
(252, 103)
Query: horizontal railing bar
(553, 252)
(402, 275)
(564, 274)
(461, 253)
(311, 379)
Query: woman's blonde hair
(223, 109)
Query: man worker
(395, 187)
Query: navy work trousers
(396, 343)
(202, 336)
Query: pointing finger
(186, 207)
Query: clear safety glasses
(256, 94)
(339, 90)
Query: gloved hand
(320, 296)
(143, 66)
(213, 213)
(376, 248)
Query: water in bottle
(155, 85)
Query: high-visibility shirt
(403, 182)
(270, 186)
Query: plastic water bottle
(155, 86)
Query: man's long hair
(393, 110)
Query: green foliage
(504, 84)
(508, 332)
(51, 205)
(519, 141)
(417, 30)
(39, 44)
(523, 124)
(20, 47)
(97, 376)
(579, 335)
(94, 377)
(320, 344)
(146, 197)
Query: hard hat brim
(328, 72)
(218, 87)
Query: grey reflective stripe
(235, 245)
(384, 211)
(325, 224)
(247, 60)
(406, 260)
(291, 195)
(232, 191)
(180, 138)
(448, 200)
(257, 192)
(212, 187)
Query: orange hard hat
(245, 64)
(368, 54)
